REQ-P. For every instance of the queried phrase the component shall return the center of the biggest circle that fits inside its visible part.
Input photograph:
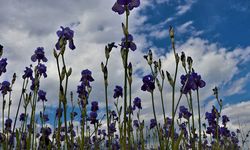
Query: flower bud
(190, 63)
(106, 52)
(171, 32)
(150, 57)
(170, 79)
(69, 72)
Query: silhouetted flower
(118, 92)
(152, 123)
(5, 87)
(129, 44)
(93, 115)
(148, 83)
(225, 119)
(8, 123)
(28, 73)
(194, 82)
(65, 34)
(41, 70)
(112, 128)
(39, 55)
(184, 113)
(94, 106)
(86, 77)
(120, 5)
(42, 95)
(22, 117)
(137, 103)
(136, 123)
(3, 64)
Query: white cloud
(182, 9)
(184, 27)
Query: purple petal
(132, 46)
(33, 58)
(45, 59)
(134, 4)
(118, 8)
(58, 45)
(123, 2)
(202, 83)
(71, 44)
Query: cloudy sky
(214, 33)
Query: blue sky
(215, 33)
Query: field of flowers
(122, 127)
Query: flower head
(42, 95)
(152, 123)
(8, 123)
(120, 5)
(129, 44)
(3, 64)
(184, 113)
(86, 77)
(5, 87)
(28, 73)
(94, 106)
(112, 128)
(22, 117)
(148, 83)
(93, 115)
(39, 55)
(65, 34)
(41, 69)
(137, 103)
(190, 82)
(118, 92)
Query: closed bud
(130, 69)
(150, 57)
(14, 78)
(69, 72)
(159, 64)
(1, 50)
(107, 52)
(190, 62)
(158, 84)
(125, 31)
(171, 32)
(63, 73)
(55, 53)
(170, 79)
(162, 75)
(183, 59)
(177, 58)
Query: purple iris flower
(28, 73)
(42, 95)
(153, 123)
(39, 55)
(93, 115)
(3, 64)
(86, 77)
(148, 83)
(130, 44)
(94, 106)
(118, 92)
(120, 5)
(5, 87)
(22, 117)
(136, 123)
(194, 82)
(112, 128)
(65, 34)
(137, 103)
(41, 69)
(184, 113)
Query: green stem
(199, 119)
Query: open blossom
(5, 87)
(129, 44)
(137, 103)
(39, 55)
(65, 34)
(118, 92)
(28, 73)
(194, 82)
(41, 69)
(148, 83)
(42, 95)
(120, 5)
(3, 64)
(184, 113)
(86, 77)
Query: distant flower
(5, 87)
(225, 119)
(94, 106)
(22, 117)
(130, 44)
(42, 95)
(152, 123)
(82, 93)
(86, 77)
(194, 82)
(93, 117)
(137, 103)
(39, 55)
(184, 113)
(28, 73)
(112, 128)
(120, 5)
(148, 83)
(46, 131)
(118, 92)
(41, 69)
(3, 64)
(65, 34)
(136, 123)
